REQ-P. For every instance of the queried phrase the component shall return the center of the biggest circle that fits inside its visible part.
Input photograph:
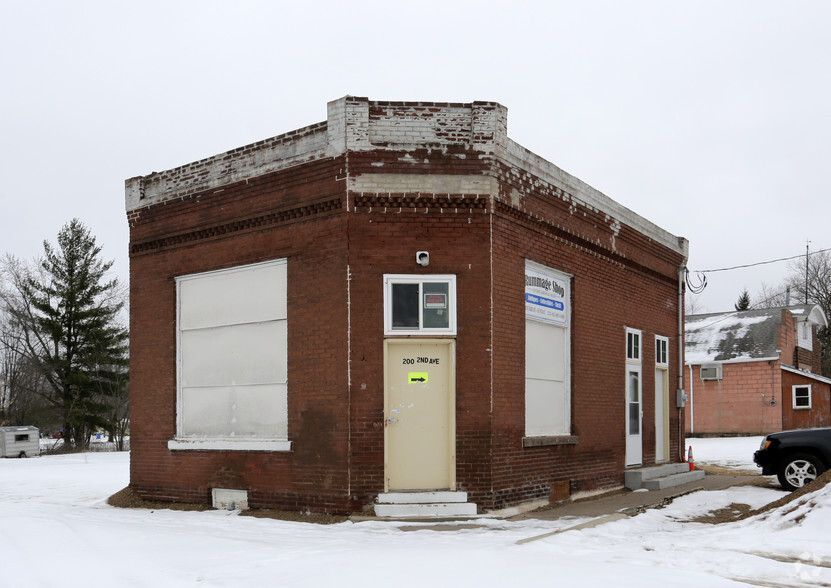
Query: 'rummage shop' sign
(546, 295)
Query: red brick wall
(386, 243)
(339, 244)
(265, 219)
(809, 359)
(607, 297)
(740, 403)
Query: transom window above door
(419, 305)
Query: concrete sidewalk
(602, 508)
(628, 502)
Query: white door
(419, 413)
(661, 415)
(634, 417)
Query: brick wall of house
(786, 338)
(753, 397)
(809, 359)
(748, 400)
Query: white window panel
(547, 355)
(424, 304)
(544, 351)
(801, 397)
(545, 408)
(232, 349)
(235, 296)
(235, 412)
(235, 355)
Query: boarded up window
(547, 352)
(232, 353)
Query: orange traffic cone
(690, 459)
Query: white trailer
(19, 441)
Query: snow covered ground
(735, 453)
(57, 530)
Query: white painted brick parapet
(357, 124)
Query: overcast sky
(709, 118)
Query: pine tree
(70, 315)
(743, 303)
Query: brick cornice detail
(576, 241)
(238, 226)
(444, 203)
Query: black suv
(796, 457)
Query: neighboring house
(399, 298)
(756, 371)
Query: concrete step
(673, 480)
(443, 509)
(634, 479)
(424, 505)
(420, 497)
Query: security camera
(423, 258)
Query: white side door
(661, 415)
(634, 416)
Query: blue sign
(546, 295)
(547, 302)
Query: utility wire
(701, 275)
(725, 269)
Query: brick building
(399, 298)
(755, 372)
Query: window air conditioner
(710, 372)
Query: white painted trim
(536, 440)
(662, 364)
(737, 360)
(633, 360)
(810, 396)
(227, 445)
(180, 413)
(810, 375)
(420, 279)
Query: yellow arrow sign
(417, 377)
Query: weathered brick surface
(408, 176)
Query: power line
(725, 269)
(698, 288)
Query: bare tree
(692, 304)
(810, 279)
(20, 381)
(810, 282)
(771, 296)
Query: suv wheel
(799, 469)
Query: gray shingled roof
(736, 336)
